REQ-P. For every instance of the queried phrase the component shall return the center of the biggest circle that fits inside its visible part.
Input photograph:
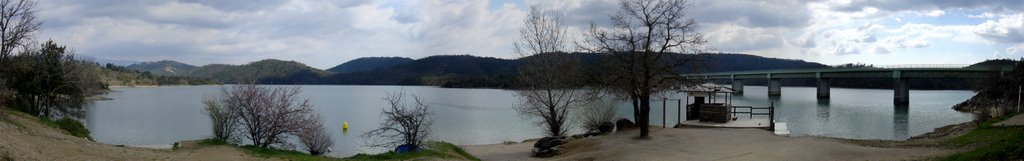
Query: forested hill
(467, 71)
(163, 68)
(744, 62)
(368, 63)
(463, 71)
(268, 71)
(443, 70)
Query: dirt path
(1017, 120)
(707, 144)
(25, 138)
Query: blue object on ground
(404, 148)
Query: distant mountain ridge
(163, 68)
(467, 71)
(368, 63)
(267, 71)
(440, 70)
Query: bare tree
(405, 123)
(315, 137)
(224, 120)
(550, 82)
(17, 24)
(594, 113)
(268, 115)
(646, 43)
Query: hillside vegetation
(269, 71)
(467, 71)
(368, 63)
(163, 68)
(113, 75)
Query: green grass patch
(460, 151)
(72, 126)
(284, 154)
(432, 150)
(990, 143)
(441, 150)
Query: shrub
(404, 123)
(223, 120)
(315, 138)
(72, 126)
(268, 115)
(5, 95)
(594, 113)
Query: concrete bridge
(899, 73)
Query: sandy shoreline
(708, 144)
(25, 138)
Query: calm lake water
(164, 115)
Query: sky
(325, 33)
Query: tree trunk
(645, 114)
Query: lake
(164, 115)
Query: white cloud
(319, 33)
(845, 50)
(805, 40)
(983, 15)
(324, 33)
(735, 38)
(1008, 29)
(903, 41)
(1015, 49)
(934, 13)
(881, 50)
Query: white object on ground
(781, 129)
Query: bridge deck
(975, 72)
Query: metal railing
(892, 66)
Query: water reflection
(823, 109)
(900, 122)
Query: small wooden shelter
(705, 106)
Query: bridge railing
(890, 66)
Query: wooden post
(679, 112)
(663, 111)
(771, 116)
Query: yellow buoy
(344, 125)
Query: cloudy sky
(324, 33)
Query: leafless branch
(405, 123)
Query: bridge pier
(901, 92)
(823, 88)
(737, 84)
(774, 87)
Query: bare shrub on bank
(315, 137)
(268, 115)
(406, 122)
(594, 113)
(223, 119)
